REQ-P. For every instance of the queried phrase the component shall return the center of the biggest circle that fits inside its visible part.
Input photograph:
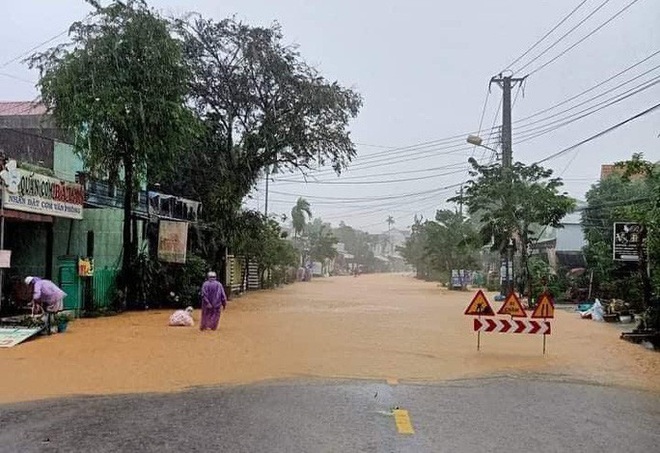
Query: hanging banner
(172, 241)
(32, 192)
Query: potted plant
(62, 321)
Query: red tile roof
(24, 108)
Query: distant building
(563, 246)
(607, 170)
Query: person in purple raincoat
(46, 293)
(213, 301)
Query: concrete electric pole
(506, 83)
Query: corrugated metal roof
(21, 108)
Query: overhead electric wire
(545, 36)
(348, 199)
(530, 132)
(582, 93)
(547, 128)
(379, 175)
(600, 134)
(387, 181)
(20, 79)
(481, 119)
(32, 49)
(562, 37)
(621, 11)
(430, 147)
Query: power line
(582, 93)
(545, 129)
(621, 11)
(391, 181)
(398, 173)
(545, 36)
(483, 114)
(20, 79)
(562, 37)
(32, 49)
(532, 132)
(389, 197)
(600, 134)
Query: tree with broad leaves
(631, 194)
(263, 100)
(262, 240)
(414, 249)
(443, 244)
(321, 242)
(261, 106)
(119, 87)
(605, 202)
(508, 201)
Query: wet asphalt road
(503, 415)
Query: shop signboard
(85, 267)
(172, 241)
(626, 241)
(32, 192)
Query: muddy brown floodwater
(373, 327)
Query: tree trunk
(643, 270)
(524, 264)
(128, 240)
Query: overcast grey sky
(423, 67)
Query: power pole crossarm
(506, 83)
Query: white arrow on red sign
(512, 326)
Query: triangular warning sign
(512, 307)
(479, 306)
(545, 307)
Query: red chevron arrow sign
(512, 326)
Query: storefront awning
(27, 216)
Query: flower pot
(61, 327)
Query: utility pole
(506, 83)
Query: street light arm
(478, 141)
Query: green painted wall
(66, 162)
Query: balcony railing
(100, 193)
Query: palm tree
(390, 222)
(300, 213)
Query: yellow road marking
(392, 381)
(402, 420)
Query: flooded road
(377, 327)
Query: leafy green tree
(262, 240)
(630, 195)
(119, 86)
(322, 242)
(449, 242)
(357, 243)
(508, 201)
(261, 106)
(414, 249)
